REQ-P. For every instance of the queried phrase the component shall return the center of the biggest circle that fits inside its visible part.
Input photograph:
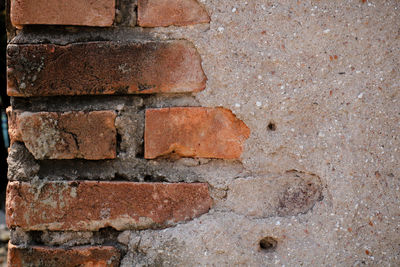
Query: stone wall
(221, 133)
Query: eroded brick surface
(99, 256)
(98, 68)
(89, 206)
(13, 131)
(156, 13)
(69, 135)
(194, 132)
(60, 12)
(289, 194)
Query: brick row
(103, 68)
(90, 205)
(100, 256)
(101, 13)
(169, 132)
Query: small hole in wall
(272, 126)
(119, 140)
(140, 154)
(36, 237)
(268, 244)
(151, 178)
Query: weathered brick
(159, 13)
(69, 135)
(194, 132)
(98, 68)
(61, 12)
(89, 205)
(13, 131)
(90, 256)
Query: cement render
(326, 73)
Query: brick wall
(202, 133)
(107, 123)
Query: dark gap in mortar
(68, 169)
(118, 144)
(155, 178)
(101, 102)
(104, 236)
(36, 238)
(70, 103)
(136, 12)
(140, 153)
(107, 235)
(118, 177)
(125, 13)
(64, 35)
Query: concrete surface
(326, 73)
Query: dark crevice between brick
(36, 238)
(102, 102)
(65, 35)
(118, 177)
(125, 13)
(140, 153)
(69, 169)
(103, 237)
(118, 145)
(151, 178)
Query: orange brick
(13, 130)
(194, 132)
(69, 135)
(61, 12)
(99, 68)
(89, 205)
(90, 256)
(158, 13)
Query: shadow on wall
(4, 102)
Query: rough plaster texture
(317, 84)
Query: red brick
(96, 256)
(61, 12)
(98, 68)
(89, 205)
(159, 13)
(69, 135)
(194, 132)
(13, 130)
